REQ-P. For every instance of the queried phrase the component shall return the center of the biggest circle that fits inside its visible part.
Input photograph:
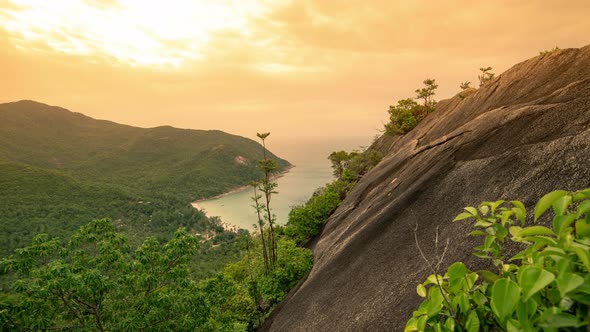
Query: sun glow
(136, 32)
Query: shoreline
(227, 226)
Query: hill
(192, 164)
(521, 135)
(60, 170)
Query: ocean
(312, 170)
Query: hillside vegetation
(60, 170)
(188, 164)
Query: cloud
(331, 67)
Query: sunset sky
(299, 67)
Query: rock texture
(523, 134)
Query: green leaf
(456, 273)
(463, 215)
(477, 233)
(513, 326)
(541, 240)
(546, 201)
(489, 241)
(567, 282)
(496, 204)
(482, 223)
(505, 296)
(449, 325)
(515, 231)
(582, 194)
(561, 204)
(488, 276)
(535, 230)
(554, 252)
(506, 216)
(457, 270)
(519, 210)
(533, 279)
(472, 323)
(561, 223)
(432, 279)
(471, 210)
(484, 209)
(553, 318)
(583, 227)
(421, 290)
(411, 325)
(584, 256)
(583, 208)
(435, 302)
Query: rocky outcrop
(523, 134)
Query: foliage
(247, 291)
(267, 187)
(485, 76)
(403, 117)
(305, 220)
(553, 50)
(407, 113)
(546, 286)
(35, 201)
(161, 161)
(94, 282)
(340, 161)
(60, 170)
(426, 93)
(465, 85)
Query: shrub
(549, 288)
(403, 117)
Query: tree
(426, 94)
(340, 160)
(402, 117)
(465, 85)
(485, 76)
(94, 282)
(267, 186)
(259, 209)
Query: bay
(312, 170)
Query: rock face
(525, 133)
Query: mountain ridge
(53, 137)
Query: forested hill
(191, 164)
(60, 170)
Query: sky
(301, 68)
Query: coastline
(280, 174)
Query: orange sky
(299, 67)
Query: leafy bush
(485, 76)
(305, 220)
(402, 117)
(549, 288)
(407, 113)
(553, 50)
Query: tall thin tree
(268, 188)
(259, 207)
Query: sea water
(312, 170)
